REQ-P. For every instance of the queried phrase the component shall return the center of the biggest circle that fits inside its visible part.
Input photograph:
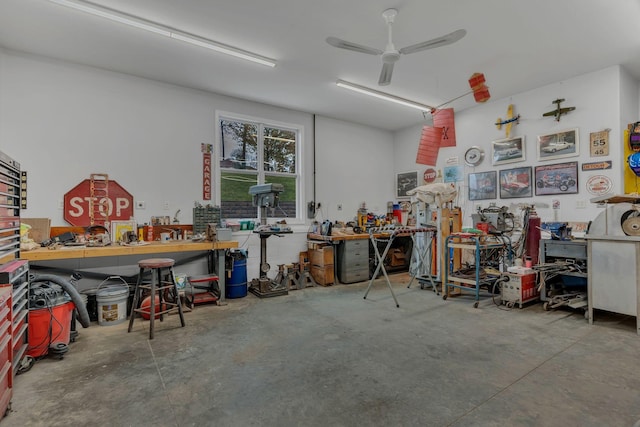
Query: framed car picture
(560, 178)
(508, 150)
(515, 183)
(559, 145)
(406, 181)
(483, 185)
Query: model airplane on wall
(508, 121)
(558, 111)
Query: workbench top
(314, 236)
(71, 252)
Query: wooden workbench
(109, 257)
(71, 252)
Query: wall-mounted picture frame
(509, 150)
(559, 178)
(483, 185)
(118, 228)
(559, 145)
(406, 181)
(516, 183)
(453, 173)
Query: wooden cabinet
(353, 261)
(321, 261)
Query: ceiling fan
(390, 54)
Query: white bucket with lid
(111, 302)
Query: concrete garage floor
(326, 357)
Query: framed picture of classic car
(508, 150)
(482, 185)
(559, 145)
(406, 181)
(560, 178)
(515, 183)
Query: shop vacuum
(53, 304)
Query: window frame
(260, 173)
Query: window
(253, 153)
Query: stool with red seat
(162, 288)
(206, 282)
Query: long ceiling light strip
(143, 24)
(383, 95)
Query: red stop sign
(430, 175)
(118, 206)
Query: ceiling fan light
(383, 95)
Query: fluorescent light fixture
(223, 48)
(143, 24)
(114, 16)
(383, 95)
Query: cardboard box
(40, 228)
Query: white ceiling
(518, 44)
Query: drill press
(266, 196)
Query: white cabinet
(614, 275)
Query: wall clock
(474, 156)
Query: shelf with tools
(489, 254)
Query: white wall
(596, 97)
(64, 121)
(354, 164)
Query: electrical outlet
(339, 206)
(165, 205)
(141, 205)
(581, 204)
(60, 204)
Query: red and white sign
(206, 176)
(430, 175)
(118, 205)
(599, 184)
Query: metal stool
(160, 268)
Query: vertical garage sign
(118, 205)
(206, 170)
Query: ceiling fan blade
(343, 44)
(385, 74)
(437, 42)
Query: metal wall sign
(117, 206)
(597, 165)
(206, 170)
(23, 190)
(599, 143)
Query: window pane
(235, 200)
(279, 150)
(287, 207)
(239, 145)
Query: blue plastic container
(236, 285)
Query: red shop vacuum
(52, 301)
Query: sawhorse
(391, 234)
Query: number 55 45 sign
(599, 143)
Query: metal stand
(392, 234)
(263, 287)
(380, 266)
(421, 253)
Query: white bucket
(112, 305)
